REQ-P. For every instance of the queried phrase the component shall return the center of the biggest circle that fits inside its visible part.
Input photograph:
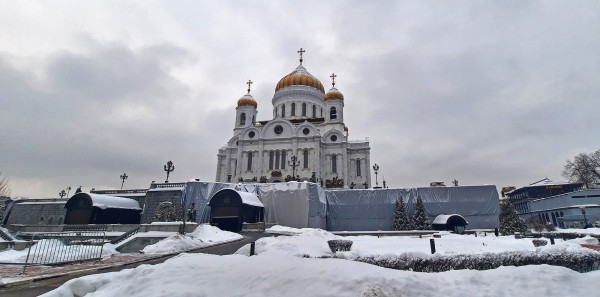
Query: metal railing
(55, 248)
(125, 235)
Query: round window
(333, 138)
(306, 131)
(278, 129)
(251, 134)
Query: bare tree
(585, 168)
(4, 189)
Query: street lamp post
(585, 223)
(123, 178)
(169, 168)
(294, 163)
(376, 169)
(62, 193)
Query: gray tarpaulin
(301, 204)
(370, 209)
(293, 204)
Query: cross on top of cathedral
(333, 76)
(301, 52)
(250, 82)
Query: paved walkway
(42, 279)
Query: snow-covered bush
(339, 245)
(581, 262)
(539, 242)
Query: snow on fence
(57, 248)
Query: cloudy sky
(485, 92)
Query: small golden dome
(333, 94)
(247, 100)
(300, 77)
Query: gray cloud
(486, 92)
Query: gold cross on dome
(333, 76)
(301, 52)
(249, 83)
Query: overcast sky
(485, 92)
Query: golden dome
(333, 94)
(300, 77)
(247, 100)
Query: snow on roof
(443, 219)
(250, 199)
(105, 201)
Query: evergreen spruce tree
(420, 219)
(401, 221)
(509, 219)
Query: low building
(521, 197)
(575, 209)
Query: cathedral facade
(307, 139)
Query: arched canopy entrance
(451, 222)
(231, 208)
(85, 208)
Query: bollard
(420, 236)
(475, 234)
(432, 244)
(496, 231)
(252, 248)
(551, 239)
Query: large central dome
(300, 77)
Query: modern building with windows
(307, 139)
(564, 205)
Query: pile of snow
(283, 275)
(579, 231)
(305, 242)
(204, 235)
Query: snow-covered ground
(204, 235)
(284, 275)
(313, 243)
(280, 270)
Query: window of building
(358, 173)
(333, 113)
(305, 131)
(553, 219)
(60, 220)
(303, 109)
(278, 129)
(283, 111)
(305, 158)
(334, 164)
(242, 119)
(283, 160)
(277, 156)
(271, 156)
(314, 111)
(321, 112)
(293, 108)
(50, 220)
(249, 161)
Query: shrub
(339, 245)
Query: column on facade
(317, 158)
(345, 162)
(260, 158)
(239, 164)
(368, 171)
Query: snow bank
(203, 235)
(283, 275)
(306, 242)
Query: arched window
(333, 113)
(50, 220)
(358, 173)
(314, 111)
(334, 164)
(283, 111)
(553, 219)
(277, 154)
(293, 108)
(249, 161)
(303, 109)
(321, 112)
(253, 120)
(271, 157)
(60, 220)
(305, 158)
(242, 119)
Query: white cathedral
(306, 140)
